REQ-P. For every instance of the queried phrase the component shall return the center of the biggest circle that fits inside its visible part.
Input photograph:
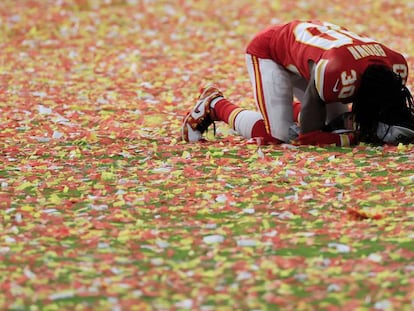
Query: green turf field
(102, 207)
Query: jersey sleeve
(320, 73)
(334, 81)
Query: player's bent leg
(273, 90)
(212, 106)
(247, 123)
(259, 131)
(296, 111)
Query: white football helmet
(394, 134)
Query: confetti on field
(103, 208)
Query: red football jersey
(341, 56)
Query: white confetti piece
(125, 154)
(185, 304)
(9, 210)
(44, 110)
(340, 248)
(62, 295)
(284, 215)
(271, 234)
(243, 276)
(18, 218)
(333, 288)
(61, 120)
(307, 234)
(28, 273)
(100, 207)
(39, 94)
(221, 198)
(162, 243)
(57, 135)
(383, 305)
(307, 197)
(102, 245)
(210, 226)
(9, 240)
(161, 170)
(116, 271)
(246, 242)
(102, 101)
(212, 239)
(4, 250)
(375, 257)
(249, 210)
(300, 277)
(50, 211)
(260, 153)
(41, 139)
(289, 173)
(157, 261)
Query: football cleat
(200, 118)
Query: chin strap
(386, 132)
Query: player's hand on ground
(321, 138)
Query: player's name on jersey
(364, 50)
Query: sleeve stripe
(345, 141)
(320, 76)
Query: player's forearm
(313, 113)
(312, 118)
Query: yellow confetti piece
(55, 199)
(186, 155)
(124, 236)
(119, 203)
(27, 208)
(107, 175)
(265, 224)
(24, 185)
